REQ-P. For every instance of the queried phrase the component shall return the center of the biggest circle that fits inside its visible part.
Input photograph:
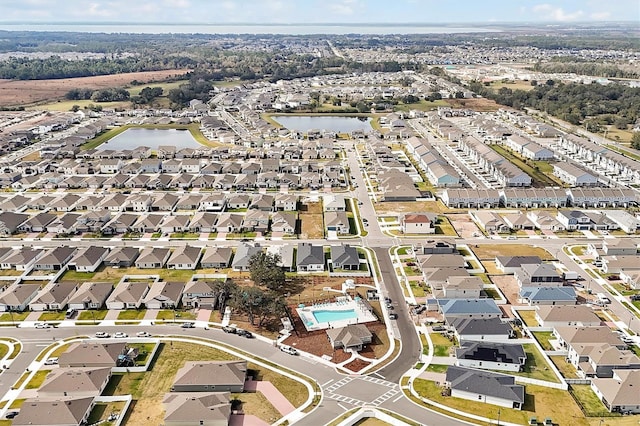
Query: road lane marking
(325, 384)
(398, 398)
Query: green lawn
(540, 402)
(437, 368)
(132, 314)
(441, 344)
(543, 338)
(52, 316)
(4, 350)
(37, 380)
(185, 235)
(167, 315)
(536, 367)
(97, 315)
(539, 179)
(404, 250)
(77, 276)
(529, 318)
(588, 401)
(420, 106)
(14, 316)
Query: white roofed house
(573, 175)
(490, 221)
(337, 221)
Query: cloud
(345, 7)
(553, 13)
(179, 4)
(600, 16)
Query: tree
(265, 271)
(75, 108)
(635, 140)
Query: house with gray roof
(491, 356)
(481, 329)
(92, 355)
(37, 223)
(336, 221)
(21, 259)
(491, 388)
(55, 412)
(216, 257)
(548, 295)
(203, 222)
(284, 223)
(309, 258)
(244, 253)
(122, 257)
(229, 222)
(164, 295)
(538, 275)
(88, 259)
(127, 295)
(17, 297)
(75, 382)
(202, 408)
(469, 308)
(184, 257)
(510, 264)
(153, 258)
(205, 376)
(90, 295)
(55, 259)
(345, 257)
(200, 293)
(10, 222)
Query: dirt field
(26, 92)
(489, 252)
(477, 104)
(311, 221)
(410, 206)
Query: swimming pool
(334, 315)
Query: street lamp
(498, 417)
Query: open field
(486, 251)
(30, 92)
(66, 105)
(420, 106)
(408, 207)
(478, 104)
(513, 85)
(539, 178)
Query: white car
(288, 350)
(143, 334)
(120, 335)
(42, 325)
(102, 335)
(51, 361)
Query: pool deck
(362, 314)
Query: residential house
(334, 203)
(309, 258)
(345, 257)
(337, 221)
(244, 253)
(485, 386)
(481, 329)
(540, 275)
(91, 355)
(148, 223)
(351, 338)
(511, 264)
(37, 223)
(573, 338)
(89, 259)
(619, 394)
(286, 202)
(200, 294)
(205, 376)
(262, 202)
(164, 295)
(122, 257)
(90, 295)
(548, 295)
(216, 257)
(417, 223)
(153, 258)
(75, 382)
(229, 223)
(54, 297)
(55, 259)
(549, 316)
(202, 408)
(255, 221)
(284, 223)
(462, 287)
(10, 222)
(21, 259)
(491, 356)
(16, 297)
(490, 221)
(469, 308)
(574, 220)
(184, 257)
(172, 224)
(238, 201)
(128, 295)
(574, 175)
(56, 412)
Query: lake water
(332, 123)
(153, 138)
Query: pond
(153, 138)
(331, 123)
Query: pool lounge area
(336, 314)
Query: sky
(318, 11)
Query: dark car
(11, 414)
(393, 316)
(245, 333)
(230, 330)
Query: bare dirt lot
(26, 92)
(477, 104)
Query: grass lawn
(437, 368)
(444, 227)
(578, 250)
(540, 402)
(4, 350)
(165, 86)
(418, 291)
(77, 276)
(98, 315)
(536, 367)
(52, 316)
(258, 405)
(179, 315)
(404, 250)
(567, 370)
(441, 344)
(185, 235)
(101, 412)
(148, 388)
(37, 379)
(15, 316)
(17, 348)
(423, 105)
(489, 252)
(543, 338)
(588, 401)
(529, 318)
(539, 178)
(512, 84)
(132, 314)
(114, 275)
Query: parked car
(390, 307)
(438, 328)
(188, 325)
(244, 333)
(42, 325)
(229, 329)
(143, 334)
(393, 316)
(51, 361)
(120, 335)
(288, 350)
(11, 414)
(102, 335)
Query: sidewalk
(272, 394)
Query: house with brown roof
(88, 354)
(122, 257)
(202, 408)
(75, 382)
(184, 257)
(153, 258)
(128, 295)
(17, 297)
(353, 337)
(90, 295)
(88, 259)
(164, 295)
(55, 259)
(620, 392)
(417, 223)
(566, 316)
(206, 376)
(54, 297)
(216, 257)
(54, 412)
